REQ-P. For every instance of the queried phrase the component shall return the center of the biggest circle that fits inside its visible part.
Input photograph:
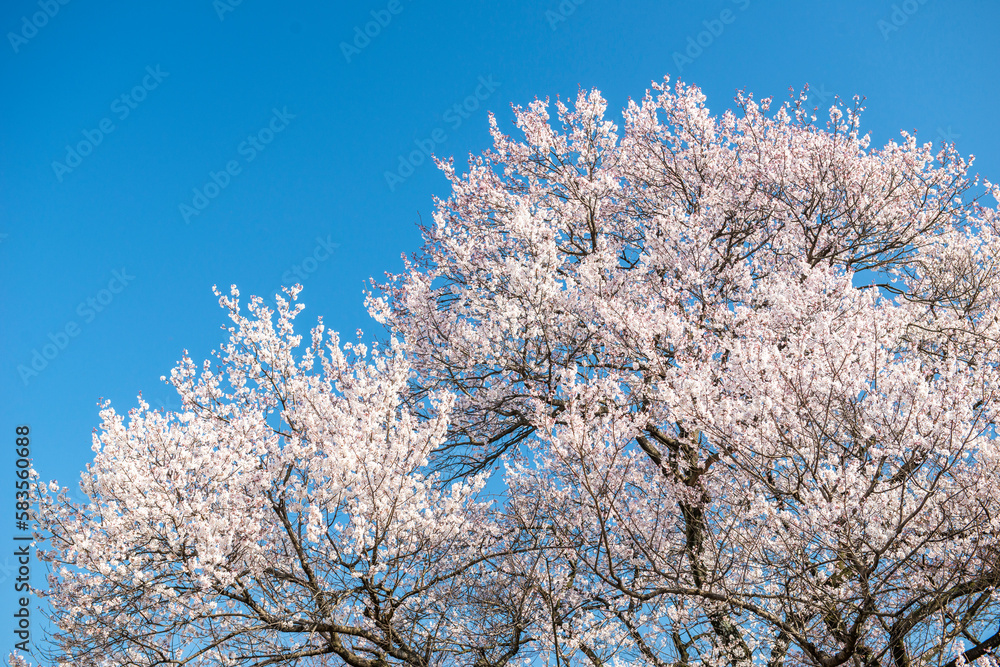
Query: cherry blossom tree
(285, 514)
(741, 372)
(709, 390)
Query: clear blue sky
(111, 118)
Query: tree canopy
(706, 390)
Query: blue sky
(148, 152)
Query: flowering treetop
(730, 382)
